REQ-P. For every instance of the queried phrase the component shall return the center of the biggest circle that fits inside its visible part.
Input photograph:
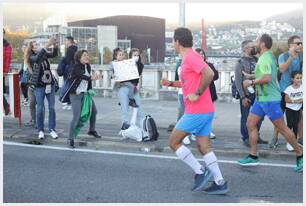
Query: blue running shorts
(196, 124)
(271, 109)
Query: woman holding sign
(128, 87)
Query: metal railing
(152, 74)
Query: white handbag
(133, 132)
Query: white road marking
(129, 154)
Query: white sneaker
(41, 135)
(68, 107)
(53, 134)
(212, 136)
(289, 147)
(186, 140)
(64, 105)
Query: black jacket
(40, 64)
(212, 88)
(140, 69)
(77, 75)
(247, 65)
(69, 56)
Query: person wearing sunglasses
(289, 62)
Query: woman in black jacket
(69, 62)
(44, 83)
(81, 81)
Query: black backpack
(235, 93)
(150, 129)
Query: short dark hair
(292, 38)
(79, 54)
(70, 38)
(266, 38)
(183, 36)
(294, 73)
(244, 43)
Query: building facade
(143, 32)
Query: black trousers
(24, 89)
(5, 104)
(293, 118)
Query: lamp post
(182, 13)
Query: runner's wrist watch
(198, 92)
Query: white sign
(125, 70)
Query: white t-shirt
(84, 84)
(25, 67)
(294, 94)
(180, 90)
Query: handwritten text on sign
(125, 70)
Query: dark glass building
(144, 32)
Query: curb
(118, 143)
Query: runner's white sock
(212, 164)
(186, 156)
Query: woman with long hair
(44, 82)
(31, 89)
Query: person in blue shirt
(289, 61)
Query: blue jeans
(40, 108)
(123, 96)
(244, 116)
(181, 106)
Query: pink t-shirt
(191, 67)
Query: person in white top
(294, 103)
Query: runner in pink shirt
(192, 66)
(196, 76)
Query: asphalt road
(37, 175)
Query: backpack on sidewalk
(150, 129)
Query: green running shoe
(299, 165)
(248, 161)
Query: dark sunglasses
(298, 43)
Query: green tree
(279, 48)
(16, 39)
(107, 55)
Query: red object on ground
(17, 108)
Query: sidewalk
(226, 126)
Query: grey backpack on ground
(150, 129)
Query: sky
(214, 12)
